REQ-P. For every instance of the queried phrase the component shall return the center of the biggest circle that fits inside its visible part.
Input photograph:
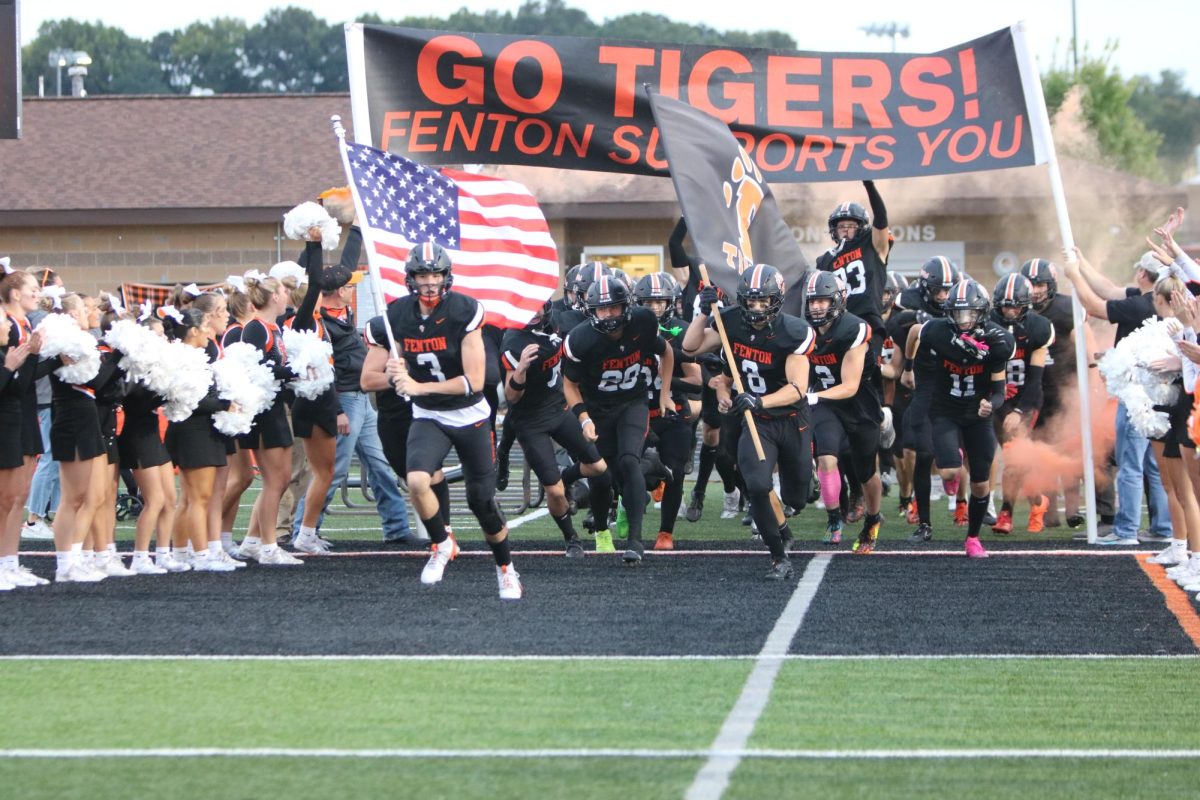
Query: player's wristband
(587, 421)
(579, 409)
(516, 385)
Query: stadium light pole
(889, 29)
(58, 60)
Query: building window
(635, 261)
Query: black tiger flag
(731, 214)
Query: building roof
(247, 158)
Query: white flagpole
(1039, 123)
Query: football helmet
(608, 291)
(588, 274)
(1040, 271)
(656, 286)
(1013, 291)
(848, 211)
(760, 282)
(424, 259)
(896, 283)
(968, 305)
(823, 285)
(542, 323)
(937, 274)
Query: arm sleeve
(311, 261)
(1031, 397)
(679, 256)
(879, 219)
(997, 396)
(352, 250)
(212, 403)
(46, 366)
(1188, 268)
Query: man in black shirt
(605, 386)
(971, 352)
(442, 369)
(1127, 308)
(538, 417)
(1033, 336)
(771, 350)
(844, 405)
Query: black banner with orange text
(576, 103)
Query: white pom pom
(242, 379)
(307, 215)
(61, 336)
(184, 382)
(309, 359)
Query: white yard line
(425, 753)
(713, 778)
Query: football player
(1032, 336)
(844, 406)
(673, 434)
(969, 354)
(770, 350)
(538, 416)
(922, 301)
(442, 370)
(605, 384)
(859, 257)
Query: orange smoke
(1057, 453)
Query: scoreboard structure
(10, 70)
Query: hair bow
(193, 290)
(115, 303)
(255, 275)
(237, 282)
(172, 312)
(6, 262)
(55, 293)
(145, 311)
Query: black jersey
(672, 334)
(858, 264)
(1029, 335)
(612, 371)
(761, 355)
(963, 377)
(1060, 362)
(386, 400)
(432, 346)
(827, 356)
(543, 380)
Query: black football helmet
(823, 285)
(604, 292)
(588, 274)
(896, 283)
(760, 282)
(541, 320)
(623, 277)
(968, 305)
(848, 211)
(1041, 271)
(1013, 291)
(656, 286)
(936, 274)
(426, 258)
(569, 283)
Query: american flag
(492, 229)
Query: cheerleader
(109, 385)
(77, 444)
(270, 439)
(236, 478)
(216, 318)
(315, 422)
(198, 450)
(19, 294)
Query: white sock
(141, 555)
(269, 548)
(307, 531)
(112, 547)
(77, 547)
(215, 549)
(162, 552)
(201, 556)
(1179, 547)
(8, 563)
(65, 557)
(227, 539)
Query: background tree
(292, 50)
(205, 56)
(1166, 106)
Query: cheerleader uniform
(75, 433)
(12, 451)
(270, 428)
(321, 412)
(194, 443)
(140, 444)
(109, 395)
(18, 401)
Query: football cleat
(695, 507)
(1037, 515)
(604, 542)
(833, 530)
(730, 506)
(574, 548)
(923, 533)
(633, 553)
(665, 541)
(780, 570)
(865, 543)
(439, 556)
(974, 548)
(1004, 523)
(509, 581)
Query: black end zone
(1050, 605)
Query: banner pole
(1039, 123)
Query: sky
(1166, 38)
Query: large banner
(441, 97)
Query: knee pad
(487, 511)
